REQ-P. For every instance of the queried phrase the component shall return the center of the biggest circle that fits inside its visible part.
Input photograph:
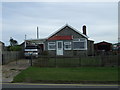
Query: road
(33, 85)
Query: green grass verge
(36, 74)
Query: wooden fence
(8, 56)
(100, 61)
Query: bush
(14, 48)
(45, 53)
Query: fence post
(3, 60)
(79, 61)
(55, 61)
(16, 58)
(31, 60)
(102, 62)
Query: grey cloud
(23, 18)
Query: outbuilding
(103, 46)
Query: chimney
(84, 30)
(37, 33)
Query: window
(67, 45)
(51, 46)
(80, 44)
(82, 39)
(59, 45)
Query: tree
(13, 42)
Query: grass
(58, 75)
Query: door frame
(57, 51)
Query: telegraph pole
(37, 33)
(25, 36)
(25, 39)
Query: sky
(20, 18)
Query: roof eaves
(103, 42)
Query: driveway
(13, 68)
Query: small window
(76, 39)
(51, 46)
(67, 45)
(82, 39)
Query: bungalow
(67, 41)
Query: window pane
(79, 45)
(51, 42)
(82, 39)
(67, 45)
(51, 46)
(59, 45)
(76, 45)
(82, 45)
(76, 39)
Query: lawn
(61, 75)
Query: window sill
(51, 49)
(79, 49)
(67, 49)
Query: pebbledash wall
(89, 51)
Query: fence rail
(47, 61)
(8, 56)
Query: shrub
(45, 53)
(14, 48)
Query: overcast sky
(20, 18)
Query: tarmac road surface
(37, 85)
